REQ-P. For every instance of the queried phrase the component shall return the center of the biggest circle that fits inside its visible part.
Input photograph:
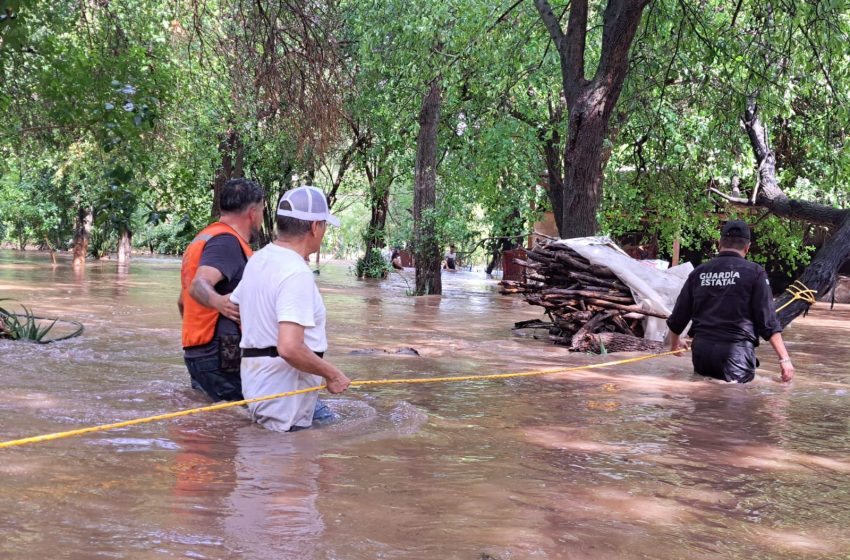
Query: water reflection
(640, 461)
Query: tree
(821, 273)
(87, 83)
(426, 247)
(575, 182)
(472, 47)
(698, 79)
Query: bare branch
(733, 199)
(504, 15)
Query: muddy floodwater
(638, 461)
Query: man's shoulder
(224, 243)
(224, 253)
(287, 260)
(754, 267)
(726, 264)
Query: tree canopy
(129, 114)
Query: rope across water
(230, 404)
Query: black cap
(735, 228)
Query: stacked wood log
(590, 309)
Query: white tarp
(653, 289)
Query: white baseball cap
(306, 203)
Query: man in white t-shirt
(283, 317)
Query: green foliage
(34, 207)
(678, 127)
(118, 107)
(13, 327)
(372, 265)
(165, 237)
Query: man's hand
(338, 383)
(202, 289)
(782, 353)
(227, 308)
(676, 343)
(291, 347)
(787, 370)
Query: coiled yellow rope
(798, 290)
(220, 406)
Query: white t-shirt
(278, 286)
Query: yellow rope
(220, 406)
(798, 290)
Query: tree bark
(577, 190)
(125, 245)
(426, 249)
(82, 234)
(229, 146)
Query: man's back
(728, 299)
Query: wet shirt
(223, 253)
(728, 299)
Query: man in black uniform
(730, 303)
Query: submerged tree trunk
(821, 273)
(125, 245)
(425, 246)
(371, 264)
(575, 187)
(82, 235)
(380, 176)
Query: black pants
(727, 361)
(206, 374)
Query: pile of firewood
(590, 309)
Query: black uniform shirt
(728, 299)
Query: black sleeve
(764, 316)
(224, 253)
(683, 311)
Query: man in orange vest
(212, 268)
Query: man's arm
(676, 343)
(202, 290)
(180, 304)
(767, 324)
(785, 364)
(681, 315)
(291, 347)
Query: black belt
(270, 352)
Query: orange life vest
(198, 320)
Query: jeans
(206, 375)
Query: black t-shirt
(224, 253)
(728, 299)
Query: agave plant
(22, 326)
